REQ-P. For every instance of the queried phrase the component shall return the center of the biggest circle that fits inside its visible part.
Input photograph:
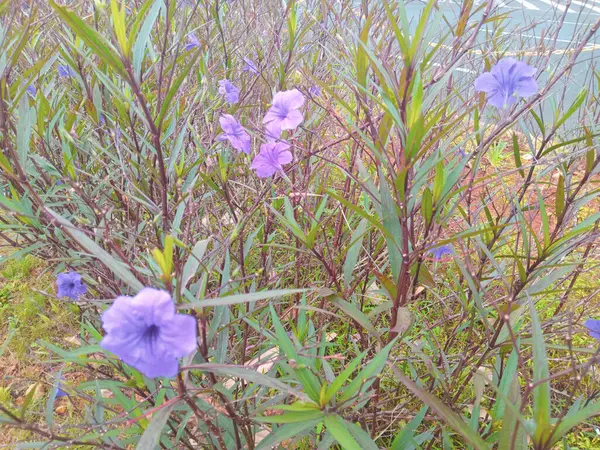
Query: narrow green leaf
(240, 298)
(193, 261)
(151, 437)
(354, 251)
(24, 129)
(427, 205)
(292, 417)
(517, 155)
(355, 314)
(362, 62)
(118, 268)
(364, 377)
(339, 381)
(337, 427)
(574, 107)
(141, 41)
(286, 432)
(404, 439)
(452, 419)
(166, 105)
(541, 393)
(560, 196)
(438, 182)
(91, 37)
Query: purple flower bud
(229, 91)
(145, 332)
(250, 66)
(593, 327)
(192, 42)
(59, 392)
(31, 90)
(506, 81)
(441, 251)
(70, 285)
(233, 132)
(65, 71)
(271, 158)
(315, 91)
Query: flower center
(151, 332)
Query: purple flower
(315, 91)
(192, 42)
(233, 132)
(65, 71)
(284, 114)
(229, 91)
(272, 157)
(145, 332)
(70, 285)
(441, 251)
(506, 81)
(31, 90)
(250, 66)
(593, 327)
(59, 392)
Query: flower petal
(526, 87)
(593, 327)
(179, 335)
(292, 120)
(486, 82)
(292, 99)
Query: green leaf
(573, 419)
(362, 437)
(545, 223)
(151, 437)
(286, 432)
(541, 393)
(118, 19)
(510, 422)
(166, 105)
(342, 377)
(355, 314)
(574, 107)
(139, 48)
(337, 427)
(560, 195)
(517, 154)
(404, 439)
(354, 251)
(292, 417)
(252, 376)
(193, 262)
(24, 128)
(91, 37)
(427, 205)
(372, 369)
(438, 182)
(362, 61)
(240, 298)
(416, 102)
(118, 268)
(452, 419)
(309, 381)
